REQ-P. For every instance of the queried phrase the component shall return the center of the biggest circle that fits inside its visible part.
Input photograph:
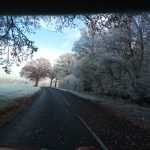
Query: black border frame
(59, 7)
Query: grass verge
(9, 109)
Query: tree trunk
(51, 82)
(36, 81)
(56, 82)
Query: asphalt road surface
(48, 123)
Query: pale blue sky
(50, 45)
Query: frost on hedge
(71, 82)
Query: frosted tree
(51, 75)
(113, 55)
(88, 43)
(64, 64)
(36, 70)
(129, 44)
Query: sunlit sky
(50, 45)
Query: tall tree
(51, 75)
(129, 44)
(64, 64)
(36, 70)
(88, 43)
(119, 65)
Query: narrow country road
(58, 120)
(48, 123)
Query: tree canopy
(15, 46)
(113, 57)
(36, 70)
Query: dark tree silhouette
(14, 44)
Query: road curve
(48, 123)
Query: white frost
(16, 92)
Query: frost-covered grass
(9, 95)
(16, 92)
